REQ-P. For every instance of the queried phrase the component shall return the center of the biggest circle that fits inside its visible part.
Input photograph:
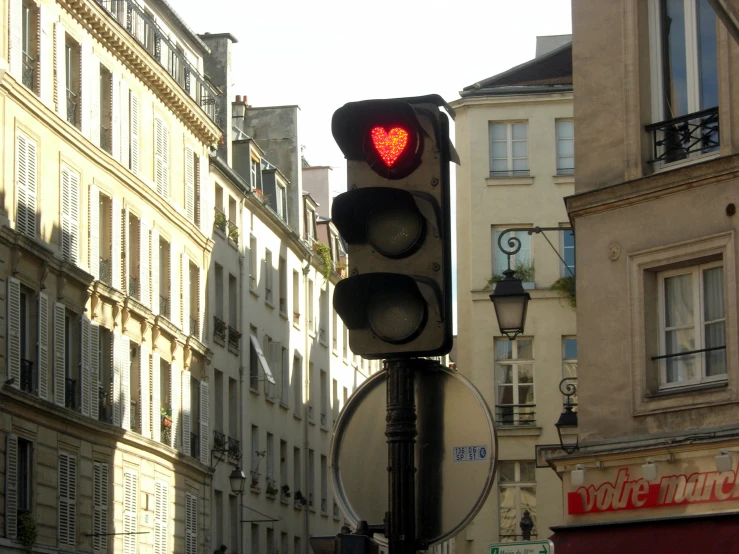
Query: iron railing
(515, 414)
(105, 270)
(195, 445)
(72, 103)
(676, 139)
(70, 393)
(220, 221)
(29, 71)
(105, 413)
(194, 326)
(138, 24)
(134, 416)
(27, 375)
(166, 430)
(219, 441)
(164, 306)
(105, 139)
(234, 449)
(233, 232)
(219, 328)
(234, 336)
(133, 289)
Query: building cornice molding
(561, 97)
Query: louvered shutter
(130, 507)
(204, 190)
(156, 405)
(100, 508)
(115, 115)
(70, 214)
(117, 411)
(85, 365)
(204, 419)
(125, 249)
(93, 210)
(14, 331)
(175, 399)
(115, 244)
(190, 184)
(46, 55)
(15, 50)
(85, 88)
(144, 397)
(94, 99)
(161, 517)
(154, 271)
(60, 341)
(26, 160)
(60, 70)
(201, 303)
(174, 299)
(124, 115)
(11, 487)
(125, 357)
(191, 524)
(134, 130)
(94, 371)
(144, 292)
(165, 160)
(185, 293)
(43, 346)
(67, 515)
(186, 415)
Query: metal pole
(401, 439)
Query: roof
(169, 10)
(553, 69)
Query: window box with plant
(233, 232)
(220, 221)
(324, 254)
(524, 271)
(272, 489)
(219, 328)
(26, 529)
(285, 493)
(300, 500)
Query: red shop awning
(719, 533)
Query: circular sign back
(456, 453)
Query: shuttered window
(186, 415)
(156, 418)
(161, 519)
(100, 507)
(204, 411)
(133, 145)
(190, 184)
(122, 380)
(191, 524)
(43, 346)
(60, 70)
(67, 514)
(145, 384)
(85, 355)
(116, 244)
(70, 185)
(144, 291)
(93, 227)
(154, 271)
(60, 341)
(161, 157)
(94, 371)
(14, 331)
(130, 520)
(11, 487)
(26, 154)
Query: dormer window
(310, 223)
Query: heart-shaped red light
(389, 145)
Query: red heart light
(389, 145)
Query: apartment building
(654, 214)
(515, 141)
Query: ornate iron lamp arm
(514, 243)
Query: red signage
(640, 494)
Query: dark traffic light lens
(395, 315)
(395, 231)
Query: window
(256, 174)
(297, 382)
(296, 473)
(565, 129)
(132, 238)
(324, 484)
(106, 109)
(281, 201)
(310, 224)
(517, 481)
(256, 456)
(345, 343)
(309, 315)
(72, 55)
(324, 398)
(253, 361)
(268, 297)
(568, 253)
(285, 378)
(161, 518)
(283, 470)
(191, 524)
(311, 477)
(255, 537)
(323, 321)
(569, 364)
(514, 382)
(161, 157)
(296, 299)
(164, 278)
(100, 507)
(133, 129)
(509, 149)
(270, 541)
(334, 332)
(692, 318)
(194, 298)
(191, 184)
(70, 186)
(130, 510)
(253, 265)
(233, 302)
(522, 262)
(311, 393)
(282, 276)
(26, 166)
(271, 483)
(218, 285)
(29, 45)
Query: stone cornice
(111, 35)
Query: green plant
(221, 221)
(26, 530)
(324, 252)
(523, 271)
(233, 234)
(565, 286)
(285, 491)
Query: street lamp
(238, 480)
(567, 423)
(511, 302)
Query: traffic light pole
(401, 440)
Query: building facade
(514, 138)
(654, 214)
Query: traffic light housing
(395, 218)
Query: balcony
(234, 449)
(219, 441)
(105, 139)
(27, 376)
(166, 429)
(233, 232)
(70, 393)
(133, 287)
(135, 420)
(234, 336)
(516, 414)
(684, 137)
(194, 327)
(104, 270)
(72, 102)
(219, 328)
(29, 71)
(195, 445)
(153, 39)
(219, 221)
(164, 306)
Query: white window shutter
(186, 416)
(124, 118)
(11, 487)
(201, 304)
(206, 214)
(60, 70)
(204, 419)
(174, 299)
(115, 244)
(46, 55)
(175, 398)
(14, 331)
(161, 157)
(85, 88)
(125, 247)
(134, 133)
(185, 293)
(144, 384)
(190, 184)
(43, 346)
(60, 373)
(15, 50)
(85, 365)
(115, 116)
(117, 411)
(67, 514)
(100, 508)
(130, 510)
(70, 214)
(93, 209)
(191, 524)
(74, 183)
(154, 249)
(125, 382)
(94, 98)
(144, 292)
(94, 371)
(156, 406)
(161, 517)
(26, 167)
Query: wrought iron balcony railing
(29, 71)
(233, 232)
(105, 139)
(105, 270)
(234, 336)
(515, 414)
(219, 328)
(164, 306)
(219, 441)
(679, 138)
(72, 103)
(70, 394)
(133, 288)
(194, 326)
(137, 23)
(234, 449)
(27, 375)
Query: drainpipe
(242, 311)
(306, 443)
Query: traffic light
(395, 219)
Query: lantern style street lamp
(238, 480)
(567, 423)
(511, 302)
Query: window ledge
(270, 399)
(254, 292)
(688, 389)
(662, 167)
(563, 179)
(234, 350)
(284, 405)
(269, 303)
(312, 334)
(283, 315)
(297, 416)
(253, 390)
(296, 326)
(518, 430)
(507, 181)
(218, 340)
(234, 245)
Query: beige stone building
(514, 138)
(654, 214)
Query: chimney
(239, 110)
